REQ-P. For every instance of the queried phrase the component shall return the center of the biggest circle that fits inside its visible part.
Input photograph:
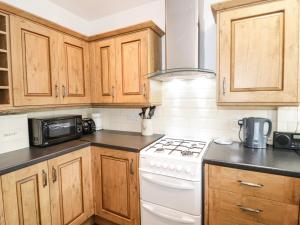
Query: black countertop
(123, 140)
(270, 160)
(127, 141)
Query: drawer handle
(249, 209)
(250, 184)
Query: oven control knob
(178, 168)
(165, 165)
(152, 163)
(172, 167)
(158, 165)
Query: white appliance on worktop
(13, 132)
(171, 181)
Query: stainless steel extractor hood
(182, 42)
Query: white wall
(52, 12)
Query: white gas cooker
(174, 157)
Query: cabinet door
(116, 187)
(258, 53)
(34, 51)
(26, 196)
(74, 74)
(2, 221)
(71, 188)
(103, 71)
(132, 67)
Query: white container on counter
(147, 127)
(98, 120)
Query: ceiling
(95, 9)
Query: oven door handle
(179, 185)
(173, 218)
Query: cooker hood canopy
(182, 42)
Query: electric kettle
(254, 131)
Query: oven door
(178, 194)
(152, 214)
(56, 131)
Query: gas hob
(173, 157)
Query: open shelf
(5, 85)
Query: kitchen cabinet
(2, 221)
(74, 77)
(35, 64)
(48, 67)
(103, 60)
(71, 188)
(234, 196)
(120, 65)
(26, 196)
(116, 187)
(258, 47)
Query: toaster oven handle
(179, 186)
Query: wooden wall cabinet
(57, 192)
(234, 197)
(35, 63)
(48, 67)
(258, 47)
(116, 188)
(121, 64)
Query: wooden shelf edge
(3, 50)
(4, 87)
(3, 69)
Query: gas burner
(186, 152)
(159, 149)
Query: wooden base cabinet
(71, 188)
(26, 196)
(2, 221)
(258, 48)
(120, 66)
(116, 188)
(57, 192)
(234, 197)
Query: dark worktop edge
(256, 168)
(49, 156)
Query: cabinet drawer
(246, 210)
(267, 186)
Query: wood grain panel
(34, 54)
(75, 69)
(26, 196)
(116, 188)
(75, 79)
(132, 67)
(258, 54)
(103, 63)
(225, 178)
(225, 204)
(268, 30)
(2, 221)
(37, 66)
(71, 188)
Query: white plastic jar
(98, 120)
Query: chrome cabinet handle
(64, 91)
(44, 177)
(224, 85)
(250, 184)
(249, 209)
(144, 90)
(56, 91)
(131, 167)
(113, 91)
(54, 175)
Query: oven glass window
(61, 128)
